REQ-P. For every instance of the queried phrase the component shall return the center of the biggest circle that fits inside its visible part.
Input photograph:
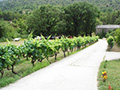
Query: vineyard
(34, 50)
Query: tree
(7, 31)
(44, 20)
(2, 28)
(21, 27)
(80, 18)
(110, 17)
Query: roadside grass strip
(112, 69)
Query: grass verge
(113, 72)
(18, 43)
(25, 68)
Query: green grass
(13, 42)
(25, 68)
(113, 73)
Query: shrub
(110, 41)
(102, 34)
(110, 33)
(7, 31)
(118, 36)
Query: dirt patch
(115, 48)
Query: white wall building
(106, 28)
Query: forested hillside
(27, 5)
(18, 18)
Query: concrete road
(112, 56)
(76, 72)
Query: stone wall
(106, 28)
(99, 30)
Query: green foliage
(117, 37)
(102, 34)
(110, 41)
(9, 16)
(98, 22)
(82, 21)
(53, 20)
(9, 56)
(44, 20)
(2, 28)
(110, 33)
(4, 58)
(7, 31)
(50, 20)
(25, 6)
(110, 17)
(21, 27)
(12, 28)
(115, 34)
(34, 50)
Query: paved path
(112, 56)
(76, 72)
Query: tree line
(76, 19)
(110, 17)
(28, 5)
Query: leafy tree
(117, 21)
(7, 31)
(80, 18)
(99, 22)
(2, 28)
(21, 27)
(44, 20)
(28, 5)
(110, 18)
(10, 16)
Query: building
(106, 28)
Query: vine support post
(55, 56)
(40, 60)
(48, 60)
(68, 52)
(71, 50)
(78, 47)
(27, 58)
(8, 68)
(64, 53)
(33, 62)
(13, 68)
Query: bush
(7, 31)
(110, 33)
(110, 41)
(102, 34)
(2, 39)
(117, 36)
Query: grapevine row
(37, 50)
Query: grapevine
(37, 50)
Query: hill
(21, 5)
